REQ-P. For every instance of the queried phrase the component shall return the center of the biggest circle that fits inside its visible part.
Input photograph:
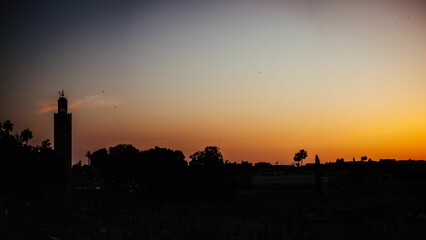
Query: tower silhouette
(63, 134)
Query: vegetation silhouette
(28, 174)
(157, 171)
(207, 174)
(127, 193)
(299, 157)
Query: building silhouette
(63, 134)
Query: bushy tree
(207, 172)
(124, 167)
(211, 157)
(299, 156)
(8, 127)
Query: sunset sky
(259, 79)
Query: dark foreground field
(250, 214)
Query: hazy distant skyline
(259, 79)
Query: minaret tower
(63, 134)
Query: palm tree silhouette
(26, 135)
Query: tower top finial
(61, 93)
(62, 103)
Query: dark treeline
(127, 193)
(162, 172)
(27, 173)
(158, 172)
(21, 161)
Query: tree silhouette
(88, 157)
(85, 177)
(157, 171)
(99, 159)
(45, 144)
(26, 135)
(8, 127)
(210, 157)
(364, 158)
(123, 160)
(299, 156)
(163, 171)
(207, 173)
(26, 172)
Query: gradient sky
(259, 79)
